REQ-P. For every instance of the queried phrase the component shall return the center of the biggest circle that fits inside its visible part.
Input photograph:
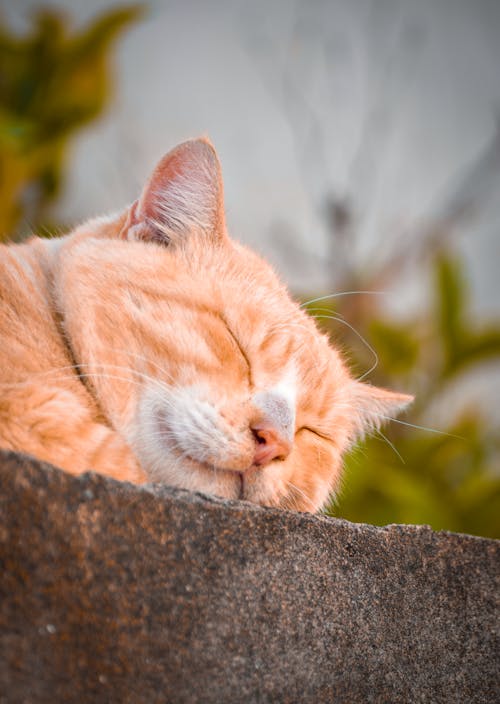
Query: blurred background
(360, 142)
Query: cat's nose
(272, 427)
(269, 445)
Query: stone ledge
(116, 593)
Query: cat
(150, 347)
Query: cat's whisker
(77, 367)
(312, 312)
(340, 294)
(299, 491)
(417, 427)
(142, 375)
(297, 505)
(56, 370)
(363, 340)
(288, 503)
(103, 375)
(144, 358)
(29, 379)
(391, 445)
(352, 407)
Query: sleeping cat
(149, 346)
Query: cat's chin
(191, 474)
(251, 486)
(195, 475)
(226, 483)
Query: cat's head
(198, 355)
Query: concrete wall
(114, 593)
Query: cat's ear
(375, 406)
(184, 195)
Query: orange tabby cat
(149, 346)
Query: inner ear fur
(183, 196)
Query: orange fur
(150, 346)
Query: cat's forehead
(228, 281)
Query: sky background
(392, 106)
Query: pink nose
(269, 446)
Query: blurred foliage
(447, 477)
(53, 82)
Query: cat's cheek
(315, 470)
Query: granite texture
(115, 593)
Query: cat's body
(149, 346)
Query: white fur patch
(279, 403)
(177, 426)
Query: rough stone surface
(114, 593)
